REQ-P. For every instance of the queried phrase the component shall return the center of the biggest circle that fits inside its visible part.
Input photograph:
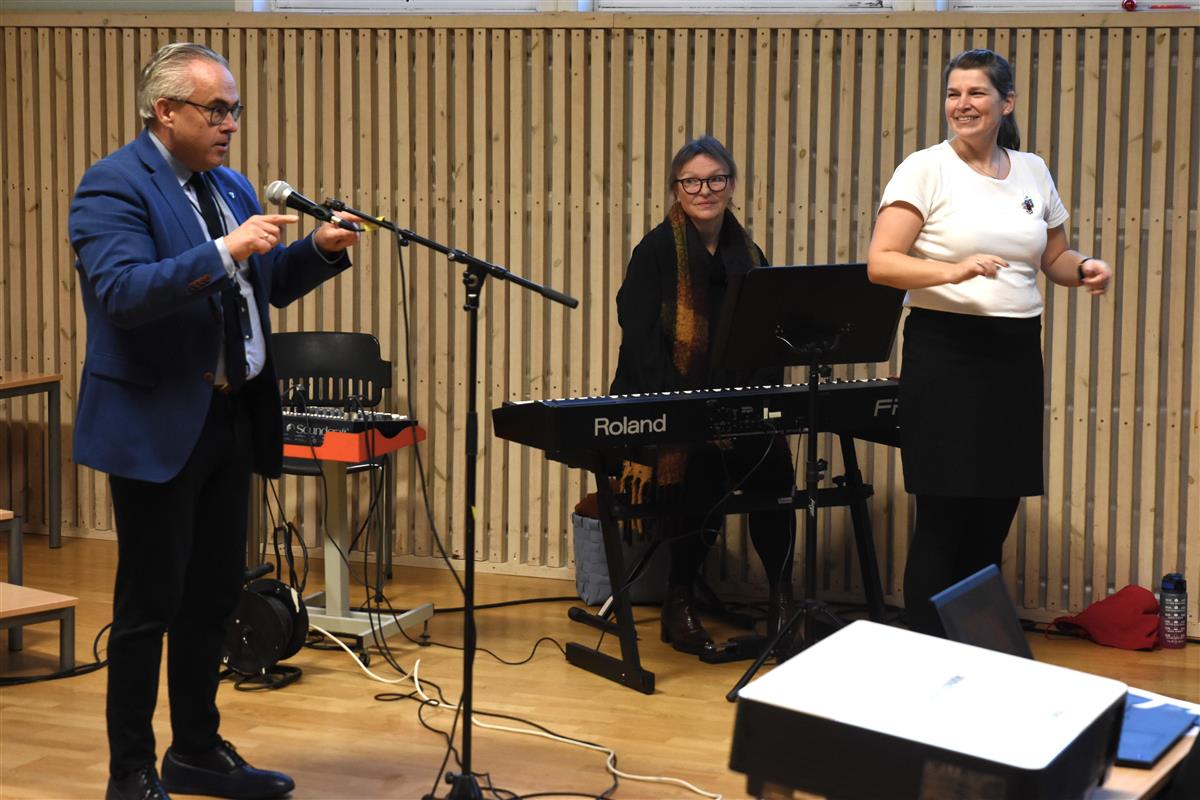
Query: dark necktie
(234, 309)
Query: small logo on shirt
(1027, 204)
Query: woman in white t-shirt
(964, 226)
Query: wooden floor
(338, 741)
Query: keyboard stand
(849, 490)
(626, 670)
(856, 496)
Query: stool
(12, 523)
(21, 605)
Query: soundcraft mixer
(308, 427)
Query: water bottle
(1172, 611)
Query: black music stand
(814, 316)
(777, 311)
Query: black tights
(756, 465)
(954, 537)
(771, 532)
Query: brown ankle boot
(681, 626)
(779, 607)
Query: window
(410, 6)
(706, 6)
(1063, 5)
(744, 6)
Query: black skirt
(971, 405)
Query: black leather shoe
(221, 772)
(681, 626)
(142, 784)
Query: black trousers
(755, 464)
(181, 550)
(954, 537)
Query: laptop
(978, 610)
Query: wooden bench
(12, 523)
(21, 605)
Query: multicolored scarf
(685, 319)
(685, 316)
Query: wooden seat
(11, 523)
(22, 605)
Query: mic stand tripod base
(753, 646)
(808, 611)
(738, 648)
(463, 786)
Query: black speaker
(269, 625)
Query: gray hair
(166, 74)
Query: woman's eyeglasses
(716, 183)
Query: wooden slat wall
(541, 142)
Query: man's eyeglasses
(217, 112)
(716, 184)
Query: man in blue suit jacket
(178, 403)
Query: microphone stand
(464, 785)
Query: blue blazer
(150, 281)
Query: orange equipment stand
(330, 609)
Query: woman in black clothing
(667, 307)
(965, 226)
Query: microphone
(281, 193)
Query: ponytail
(1009, 136)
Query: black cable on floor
(497, 791)
(566, 598)
(506, 662)
(74, 672)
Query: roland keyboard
(308, 427)
(568, 430)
